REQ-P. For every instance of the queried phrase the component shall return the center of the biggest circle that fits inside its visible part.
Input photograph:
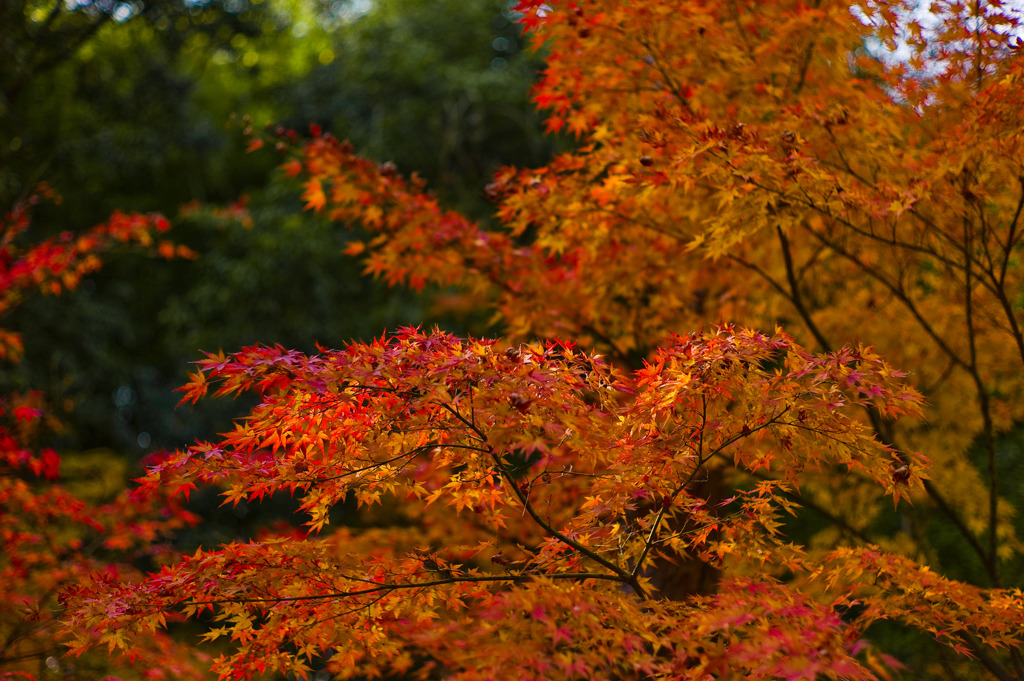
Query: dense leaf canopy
(852, 173)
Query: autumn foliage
(617, 505)
(53, 538)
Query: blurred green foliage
(440, 87)
(98, 98)
(125, 105)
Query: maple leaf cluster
(617, 506)
(53, 538)
(58, 264)
(543, 484)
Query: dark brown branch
(389, 587)
(620, 574)
(795, 296)
(959, 524)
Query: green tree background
(127, 106)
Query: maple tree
(562, 513)
(51, 536)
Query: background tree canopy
(140, 106)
